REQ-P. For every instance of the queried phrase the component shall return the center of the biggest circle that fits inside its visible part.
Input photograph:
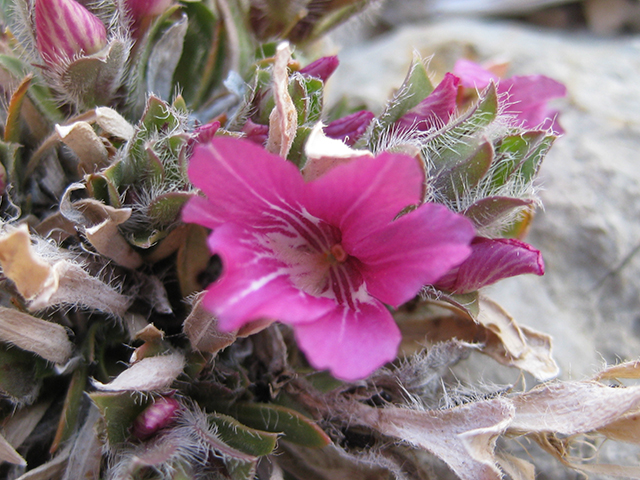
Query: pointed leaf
(240, 437)
(119, 411)
(12, 124)
(465, 174)
(164, 59)
(490, 210)
(415, 88)
(295, 427)
(93, 80)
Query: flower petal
(492, 259)
(365, 194)
(242, 180)
(436, 109)
(413, 251)
(528, 97)
(351, 343)
(472, 74)
(254, 285)
(199, 210)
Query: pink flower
(64, 28)
(492, 259)
(436, 109)
(323, 256)
(527, 95)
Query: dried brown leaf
(8, 453)
(201, 327)
(45, 282)
(86, 144)
(283, 121)
(516, 346)
(113, 123)
(19, 426)
(463, 437)
(149, 374)
(571, 408)
(46, 339)
(30, 274)
(103, 233)
(629, 370)
(516, 468)
(625, 429)
(49, 470)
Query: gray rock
(589, 231)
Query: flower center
(337, 254)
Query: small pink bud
(203, 133)
(155, 417)
(141, 9)
(350, 128)
(255, 132)
(321, 68)
(64, 28)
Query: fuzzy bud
(350, 128)
(155, 417)
(322, 68)
(64, 28)
(139, 10)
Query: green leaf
(306, 93)
(92, 81)
(12, 127)
(201, 66)
(164, 59)
(461, 138)
(530, 165)
(38, 93)
(415, 88)
(295, 427)
(158, 116)
(511, 152)
(243, 438)
(466, 173)
(165, 208)
(119, 410)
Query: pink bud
(350, 128)
(141, 9)
(155, 417)
(255, 132)
(321, 68)
(64, 28)
(492, 259)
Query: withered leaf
(201, 327)
(149, 374)
(283, 121)
(46, 339)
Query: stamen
(338, 253)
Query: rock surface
(589, 231)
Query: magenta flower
(527, 96)
(323, 256)
(436, 109)
(492, 259)
(64, 28)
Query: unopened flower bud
(322, 68)
(350, 128)
(147, 8)
(64, 28)
(155, 417)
